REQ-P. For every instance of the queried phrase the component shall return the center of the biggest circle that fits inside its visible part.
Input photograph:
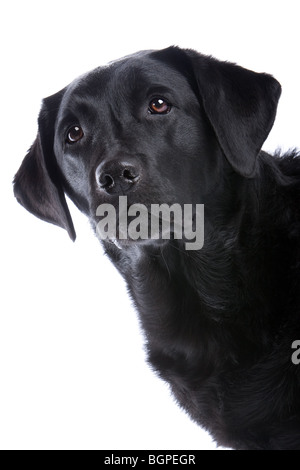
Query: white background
(72, 366)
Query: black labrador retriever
(222, 319)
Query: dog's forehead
(130, 74)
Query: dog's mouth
(125, 226)
(135, 230)
(128, 243)
(116, 243)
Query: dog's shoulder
(289, 163)
(280, 182)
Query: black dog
(177, 127)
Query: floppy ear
(37, 184)
(240, 105)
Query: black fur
(219, 322)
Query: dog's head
(157, 126)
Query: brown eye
(75, 133)
(159, 106)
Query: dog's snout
(117, 177)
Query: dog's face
(158, 127)
(126, 130)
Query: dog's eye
(75, 133)
(159, 106)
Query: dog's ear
(37, 184)
(240, 105)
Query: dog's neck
(212, 290)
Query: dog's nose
(117, 177)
